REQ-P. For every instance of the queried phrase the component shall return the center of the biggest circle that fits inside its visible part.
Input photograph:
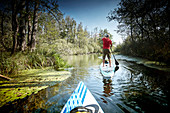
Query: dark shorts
(106, 52)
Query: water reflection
(108, 86)
(133, 88)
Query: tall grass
(21, 61)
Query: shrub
(58, 62)
(8, 65)
(90, 49)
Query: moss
(158, 65)
(28, 82)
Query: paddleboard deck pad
(82, 98)
(107, 71)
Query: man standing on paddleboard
(107, 43)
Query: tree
(79, 33)
(34, 27)
(5, 28)
(148, 23)
(25, 14)
(14, 25)
(22, 28)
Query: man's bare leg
(110, 62)
(103, 62)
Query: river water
(134, 88)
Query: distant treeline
(146, 25)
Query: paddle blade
(116, 68)
(116, 62)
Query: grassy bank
(10, 65)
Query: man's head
(107, 36)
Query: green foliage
(8, 66)
(58, 62)
(97, 48)
(90, 48)
(70, 37)
(145, 50)
(146, 25)
(21, 61)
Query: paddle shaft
(116, 62)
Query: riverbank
(29, 82)
(148, 63)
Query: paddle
(116, 62)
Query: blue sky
(92, 13)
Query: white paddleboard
(82, 97)
(107, 71)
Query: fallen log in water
(5, 77)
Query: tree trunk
(142, 29)
(22, 41)
(28, 23)
(131, 28)
(79, 41)
(34, 28)
(29, 31)
(14, 26)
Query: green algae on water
(28, 82)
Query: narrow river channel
(134, 88)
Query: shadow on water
(133, 88)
